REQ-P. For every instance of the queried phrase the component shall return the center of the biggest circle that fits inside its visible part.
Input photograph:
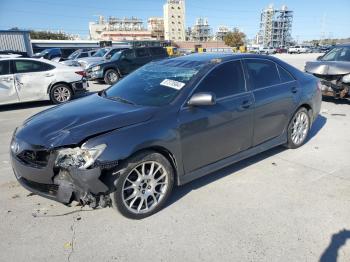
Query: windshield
(44, 52)
(337, 54)
(116, 56)
(154, 84)
(100, 52)
(73, 55)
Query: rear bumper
(80, 86)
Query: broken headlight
(346, 79)
(78, 157)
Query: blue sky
(311, 17)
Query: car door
(143, 57)
(275, 98)
(211, 133)
(8, 92)
(32, 79)
(127, 63)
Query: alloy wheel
(62, 94)
(112, 77)
(144, 187)
(300, 127)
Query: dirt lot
(282, 205)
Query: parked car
(72, 59)
(123, 63)
(49, 54)
(281, 50)
(333, 69)
(12, 54)
(26, 79)
(298, 49)
(267, 51)
(102, 55)
(165, 124)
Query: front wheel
(60, 94)
(144, 185)
(298, 128)
(111, 77)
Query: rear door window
(142, 52)
(284, 75)
(22, 66)
(5, 67)
(262, 73)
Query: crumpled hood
(75, 121)
(328, 67)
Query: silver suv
(102, 55)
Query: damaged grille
(34, 158)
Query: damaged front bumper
(334, 87)
(63, 185)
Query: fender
(124, 142)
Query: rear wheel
(298, 128)
(60, 93)
(144, 185)
(111, 77)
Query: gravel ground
(282, 205)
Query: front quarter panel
(159, 133)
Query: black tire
(291, 127)
(61, 93)
(111, 77)
(127, 168)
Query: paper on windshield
(172, 84)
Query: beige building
(156, 27)
(118, 29)
(174, 20)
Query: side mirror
(202, 99)
(108, 57)
(319, 58)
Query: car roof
(209, 57)
(343, 45)
(34, 59)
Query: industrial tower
(275, 27)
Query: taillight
(82, 73)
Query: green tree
(47, 35)
(235, 38)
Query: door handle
(6, 79)
(246, 104)
(294, 90)
(48, 75)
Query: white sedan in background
(28, 79)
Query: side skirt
(282, 139)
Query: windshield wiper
(122, 100)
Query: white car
(267, 51)
(298, 49)
(28, 79)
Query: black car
(124, 62)
(49, 53)
(166, 124)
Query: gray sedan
(165, 124)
